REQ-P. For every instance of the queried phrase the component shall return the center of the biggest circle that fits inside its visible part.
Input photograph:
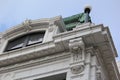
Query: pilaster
(83, 65)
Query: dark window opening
(35, 38)
(26, 40)
(15, 44)
(54, 77)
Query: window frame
(60, 76)
(29, 36)
(25, 40)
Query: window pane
(25, 40)
(16, 43)
(35, 38)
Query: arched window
(25, 40)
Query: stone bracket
(77, 49)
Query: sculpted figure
(72, 21)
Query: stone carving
(77, 55)
(77, 69)
(26, 24)
(50, 29)
(51, 24)
(98, 76)
(77, 49)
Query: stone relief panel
(77, 49)
(77, 69)
(77, 55)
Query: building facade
(45, 49)
(118, 64)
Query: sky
(106, 12)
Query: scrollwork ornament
(51, 29)
(77, 69)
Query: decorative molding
(51, 24)
(35, 62)
(91, 50)
(98, 76)
(27, 25)
(83, 26)
(77, 69)
(7, 76)
(50, 29)
(77, 48)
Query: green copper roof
(72, 21)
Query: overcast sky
(107, 12)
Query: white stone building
(118, 64)
(44, 50)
